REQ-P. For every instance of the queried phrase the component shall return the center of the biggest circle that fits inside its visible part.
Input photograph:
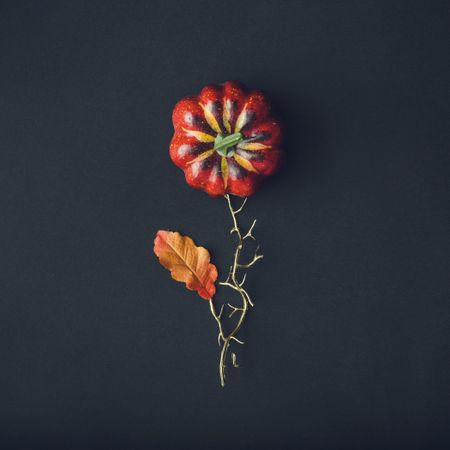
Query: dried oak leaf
(186, 262)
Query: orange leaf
(186, 262)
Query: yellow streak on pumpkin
(202, 156)
(241, 120)
(226, 116)
(199, 135)
(224, 170)
(211, 119)
(246, 164)
(252, 146)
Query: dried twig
(232, 282)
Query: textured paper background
(348, 345)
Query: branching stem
(232, 282)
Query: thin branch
(227, 283)
(217, 319)
(235, 228)
(256, 257)
(249, 232)
(232, 282)
(234, 309)
(248, 298)
(237, 211)
(250, 264)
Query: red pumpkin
(226, 140)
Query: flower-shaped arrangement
(226, 141)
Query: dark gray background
(347, 347)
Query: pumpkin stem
(223, 145)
